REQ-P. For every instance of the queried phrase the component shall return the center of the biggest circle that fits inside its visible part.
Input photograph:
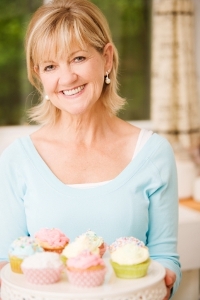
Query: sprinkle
(123, 241)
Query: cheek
(96, 70)
(97, 75)
(47, 82)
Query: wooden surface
(190, 203)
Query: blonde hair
(55, 26)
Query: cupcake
(52, 240)
(20, 249)
(87, 241)
(129, 258)
(94, 241)
(42, 268)
(86, 270)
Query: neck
(82, 128)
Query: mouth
(74, 91)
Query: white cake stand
(151, 287)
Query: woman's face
(74, 84)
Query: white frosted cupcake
(42, 268)
(129, 258)
(94, 241)
(87, 241)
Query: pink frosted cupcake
(52, 240)
(42, 268)
(86, 270)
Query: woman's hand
(170, 278)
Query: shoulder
(160, 146)
(162, 157)
(15, 152)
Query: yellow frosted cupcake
(129, 258)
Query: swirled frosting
(87, 241)
(128, 251)
(53, 237)
(24, 246)
(93, 239)
(85, 260)
(43, 260)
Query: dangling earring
(46, 97)
(107, 79)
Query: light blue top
(142, 201)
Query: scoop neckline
(55, 183)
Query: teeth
(73, 91)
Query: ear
(36, 70)
(108, 56)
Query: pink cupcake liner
(86, 278)
(42, 276)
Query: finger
(167, 295)
(170, 277)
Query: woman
(86, 168)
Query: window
(129, 21)
(130, 25)
(15, 92)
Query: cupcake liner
(15, 264)
(131, 271)
(42, 276)
(86, 278)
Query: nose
(67, 75)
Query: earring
(107, 79)
(46, 97)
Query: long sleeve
(12, 215)
(163, 212)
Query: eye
(79, 59)
(49, 68)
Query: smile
(74, 91)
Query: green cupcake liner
(130, 271)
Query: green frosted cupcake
(129, 258)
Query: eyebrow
(78, 51)
(47, 62)
(71, 54)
